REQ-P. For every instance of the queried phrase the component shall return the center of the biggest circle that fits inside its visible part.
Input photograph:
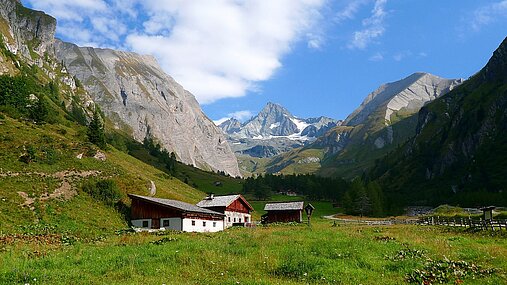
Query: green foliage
(103, 190)
(312, 186)
(445, 271)
(96, 133)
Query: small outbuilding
(157, 213)
(236, 209)
(487, 212)
(283, 212)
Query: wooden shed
(235, 208)
(283, 212)
(157, 213)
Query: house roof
(175, 204)
(222, 201)
(284, 206)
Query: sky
(315, 57)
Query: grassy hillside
(54, 150)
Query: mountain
(140, 98)
(373, 129)
(273, 131)
(276, 121)
(458, 152)
(410, 94)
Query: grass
(279, 254)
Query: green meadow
(275, 254)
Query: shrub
(104, 190)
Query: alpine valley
(111, 173)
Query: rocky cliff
(25, 31)
(410, 93)
(138, 96)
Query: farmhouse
(235, 208)
(283, 212)
(157, 213)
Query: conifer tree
(96, 133)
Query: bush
(104, 190)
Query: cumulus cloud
(219, 49)
(373, 27)
(488, 14)
(241, 116)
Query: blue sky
(315, 57)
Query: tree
(96, 133)
(377, 199)
(262, 192)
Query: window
(246, 219)
(165, 223)
(203, 224)
(234, 219)
(214, 224)
(240, 220)
(145, 224)
(193, 223)
(229, 219)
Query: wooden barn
(157, 213)
(283, 212)
(235, 208)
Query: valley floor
(276, 254)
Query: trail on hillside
(65, 190)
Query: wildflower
(305, 274)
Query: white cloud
(219, 49)
(399, 56)
(97, 23)
(377, 57)
(350, 11)
(373, 27)
(489, 14)
(241, 116)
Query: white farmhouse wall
(139, 223)
(174, 224)
(235, 217)
(199, 226)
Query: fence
(493, 225)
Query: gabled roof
(175, 204)
(222, 201)
(284, 206)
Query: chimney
(210, 196)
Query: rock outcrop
(27, 32)
(410, 93)
(137, 96)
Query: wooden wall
(238, 206)
(284, 216)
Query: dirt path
(65, 190)
(370, 222)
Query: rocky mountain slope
(458, 152)
(373, 129)
(274, 130)
(132, 90)
(139, 97)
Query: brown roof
(175, 204)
